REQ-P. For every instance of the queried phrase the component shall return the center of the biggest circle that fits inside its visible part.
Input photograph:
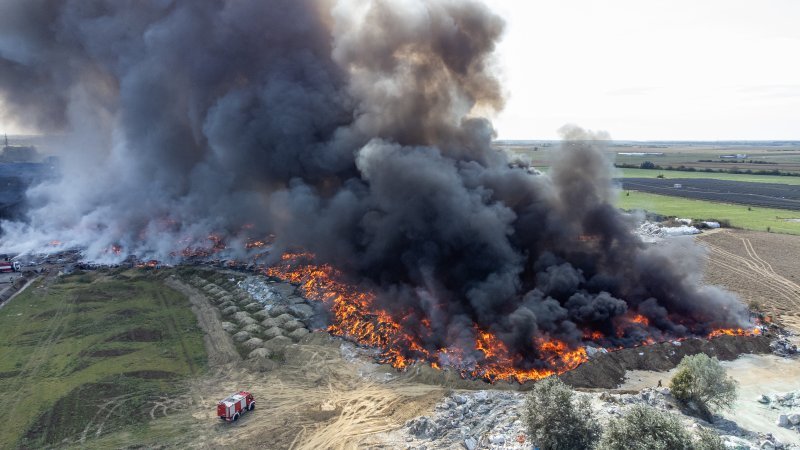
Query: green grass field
(86, 356)
(740, 216)
(669, 174)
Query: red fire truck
(231, 408)
(9, 266)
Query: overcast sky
(654, 69)
(677, 69)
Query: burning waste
(357, 132)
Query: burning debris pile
(356, 132)
(358, 316)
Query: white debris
(259, 290)
(652, 232)
(470, 443)
(683, 230)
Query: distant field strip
(672, 174)
(745, 193)
(740, 216)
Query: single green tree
(556, 420)
(702, 385)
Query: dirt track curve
(745, 262)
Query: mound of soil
(126, 313)
(92, 296)
(110, 352)
(137, 335)
(152, 374)
(608, 370)
(45, 314)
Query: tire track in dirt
(365, 412)
(765, 269)
(40, 355)
(756, 270)
(104, 408)
(175, 331)
(792, 286)
(751, 272)
(219, 345)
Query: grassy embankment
(85, 359)
(740, 216)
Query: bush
(646, 428)
(702, 385)
(556, 420)
(708, 440)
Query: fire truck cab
(232, 407)
(9, 266)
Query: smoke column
(351, 129)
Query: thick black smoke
(351, 129)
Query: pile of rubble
(613, 405)
(484, 419)
(783, 347)
(495, 420)
(652, 232)
(649, 232)
(262, 317)
(610, 406)
(788, 402)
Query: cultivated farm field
(762, 268)
(768, 195)
(672, 174)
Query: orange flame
(640, 319)
(734, 332)
(357, 317)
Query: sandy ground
(757, 375)
(316, 398)
(763, 268)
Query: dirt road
(219, 345)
